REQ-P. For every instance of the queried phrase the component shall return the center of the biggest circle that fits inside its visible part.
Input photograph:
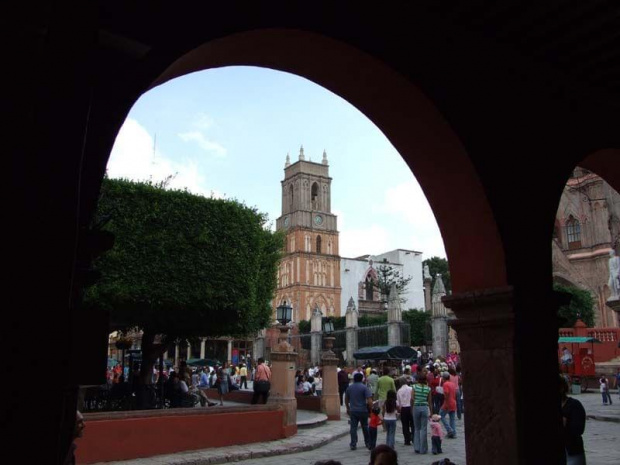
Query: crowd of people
(418, 395)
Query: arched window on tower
(318, 244)
(573, 233)
(291, 195)
(315, 196)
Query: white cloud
(203, 121)
(373, 240)
(204, 143)
(133, 157)
(407, 205)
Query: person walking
(436, 434)
(243, 373)
(449, 405)
(262, 382)
(403, 399)
(574, 422)
(604, 387)
(421, 402)
(384, 385)
(373, 425)
(222, 381)
(358, 401)
(371, 382)
(389, 411)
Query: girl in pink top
(436, 434)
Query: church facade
(309, 273)
(586, 232)
(312, 274)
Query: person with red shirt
(373, 425)
(449, 405)
(433, 381)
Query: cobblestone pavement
(331, 441)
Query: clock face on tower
(318, 220)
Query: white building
(356, 273)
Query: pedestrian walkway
(330, 440)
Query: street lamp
(284, 313)
(328, 329)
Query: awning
(578, 340)
(386, 353)
(202, 362)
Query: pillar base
(283, 385)
(485, 325)
(330, 400)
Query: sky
(226, 132)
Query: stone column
(395, 316)
(351, 316)
(203, 343)
(428, 280)
(189, 351)
(283, 382)
(258, 348)
(330, 400)
(176, 355)
(316, 334)
(485, 325)
(229, 352)
(439, 319)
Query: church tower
(309, 274)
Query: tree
(439, 265)
(417, 320)
(183, 265)
(386, 276)
(581, 305)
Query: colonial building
(587, 229)
(309, 274)
(359, 274)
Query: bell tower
(309, 274)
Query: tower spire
(301, 153)
(288, 161)
(324, 157)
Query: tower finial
(324, 157)
(288, 161)
(301, 153)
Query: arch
(419, 133)
(314, 196)
(319, 242)
(291, 198)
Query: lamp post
(328, 329)
(284, 314)
(330, 404)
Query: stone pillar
(351, 316)
(428, 280)
(229, 352)
(439, 319)
(283, 382)
(258, 348)
(330, 400)
(165, 355)
(176, 356)
(486, 329)
(203, 343)
(316, 334)
(440, 336)
(188, 354)
(395, 316)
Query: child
(436, 434)
(375, 421)
(389, 417)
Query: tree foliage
(183, 265)
(581, 306)
(386, 277)
(417, 320)
(439, 265)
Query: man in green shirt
(384, 384)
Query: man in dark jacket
(343, 383)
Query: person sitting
(308, 387)
(299, 386)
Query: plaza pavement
(330, 440)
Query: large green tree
(439, 265)
(183, 265)
(581, 305)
